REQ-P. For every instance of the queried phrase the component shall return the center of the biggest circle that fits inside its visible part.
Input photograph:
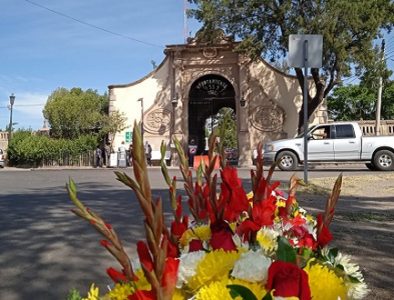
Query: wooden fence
(83, 160)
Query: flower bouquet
(233, 245)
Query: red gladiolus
(172, 250)
(233, 193)
(288, 280)
(144, 256)
(222, 237)
(105, 243)
(142, 295)
(263, 212)
(170, 272)
(178, 228)
(246, 228)
(116, 276)
(324, 235)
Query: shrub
(28, 149)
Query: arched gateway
(207, 96)
(194, 82)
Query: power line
(92, 25)
(19, 105)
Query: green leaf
(267, 296)
(239, 290)
(285, 251)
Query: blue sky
(41, 50)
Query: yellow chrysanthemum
(324, 283)
(249, 195)
(267, 239)
(122, 290)
(216, 290)
(142, 283)
(93, 293)
(200, 232)
(179, 295)
(215, 266)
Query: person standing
(122, 155)
(99, 155)
(148, 153)
(107, 153)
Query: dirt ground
(363, 226)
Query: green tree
(351, 102)
(357, 102)
(226, 127)
(113, 123)
(264, 27)
(75, 112)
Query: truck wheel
(384, 160)
(370, 166)
(287, 161)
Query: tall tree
(348, 28)
(352, 102)
(356, 102)
(74, 112)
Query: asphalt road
(45, 250)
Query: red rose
(288, 280)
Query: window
(345, 131)
(320, 133)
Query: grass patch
(312, 188)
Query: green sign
(128, 136)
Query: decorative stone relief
(210, 52)
(157, 121)
(268, 118)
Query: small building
(3, 140)
(196, 80)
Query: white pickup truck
(333, 142)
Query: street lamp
(12, 101)
(142, 118)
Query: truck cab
(332, 142)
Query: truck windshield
(302, 133)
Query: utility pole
(379, 101)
